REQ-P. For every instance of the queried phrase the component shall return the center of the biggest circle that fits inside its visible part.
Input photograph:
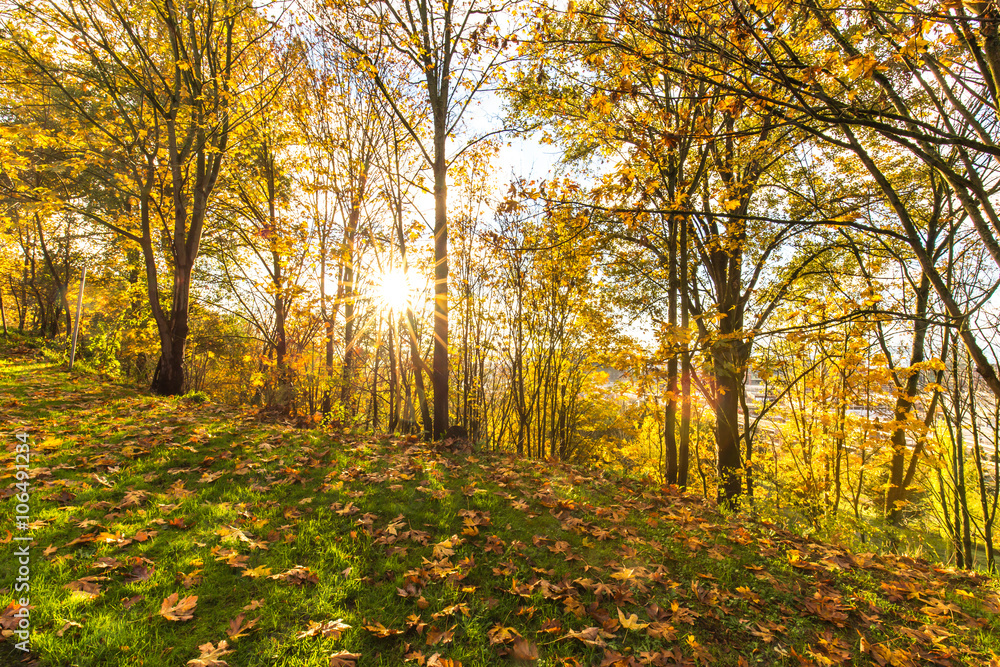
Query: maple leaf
(133, 498)
(443, 550)
(298, 575)
(499, 634)
(344, 659)
(631, 622)
(437, 661)
(415, 656)
(591, 636)
(210, 655)
(189, 580)
(380, 630)
(106, 562)
(257, 572)
(67, 626)
(172, 610)
(524, 650)
(326, 629)
(237, 628)
(87, 586)
(435, 636)
(140, 572)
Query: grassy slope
(429, 556)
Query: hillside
(168, 533)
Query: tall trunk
(3, 313)
(728, 438)
(168, 380)
(350, 234)
(418, 366)
(374, 398)
(670, 412)
(896, 494)
(439, 375)
(685, 435)
(393, 377)
(271, 230)
(62, 305)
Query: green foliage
(397, 549)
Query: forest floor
(172, 533)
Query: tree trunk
(670, 412)
(439, 376)
(394, 394)
(896, 494)
(685, 435)
(727, 430)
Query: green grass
(420, 551)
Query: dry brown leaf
(344, 659)
(172, 610)
(210, 655)
(237, 628)
(326, 629)
(524, 650)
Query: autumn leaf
(631, 622)
(435, 636)
(140, 572)
(499, 634)
(380, 630)
(443, 550)
(172, 610)
(86, 587)
(524, 650)
(127, 603)
(67, 626)
(237, 628)
(108, 563)
(326, 629)
(210, 655)
(591, 636)
(344, 659)
(257, 572)
(437, 661)
(298, 576)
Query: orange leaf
(172, 610)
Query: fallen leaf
(380, 630)
(344, 659)
(139, 572)
(524, 650)
(326, 629)
(172, 610)
(237, 628)
(69, 624)
(631, 622)
(210, 655)
(298, 575)
(127, 603)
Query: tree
(154, 93)
(452, 49)
(688, 183)
(876, 81)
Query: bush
(196, 397)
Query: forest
(747, 248)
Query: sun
(394, 290)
